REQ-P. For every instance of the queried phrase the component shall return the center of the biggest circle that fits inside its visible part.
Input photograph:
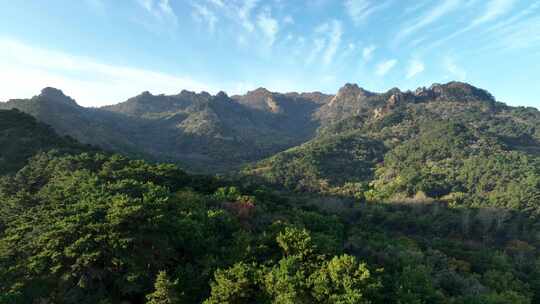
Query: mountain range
(356, 142)
(203, 132)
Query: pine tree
(164, 291)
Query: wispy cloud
(416, 7)
(237, 12)
(318, 46)
(386, 66)
(367, 52)
(415, 67)
(520, 35)
(251, 23)
(327, 41)
(146, 4)
(361, 10)
(268, 25)
(493, 10)
(288, 19)
(456, 72)
(334, 39)
(519, 31)
(348, 50)
(27, 69)
(244, 14)
(218, 3)
(519, 17)
(203, 14)
(434, 14)
(161, 10)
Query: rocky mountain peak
(259, 92)
(349, 88)
(56, 95)
(352, 89)
(423, 92)
(350, 93)
(205, 94)
(222, 95)
(186, 93)
(394, 91)
(261, 99)
(458, 91)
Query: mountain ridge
(220, 133)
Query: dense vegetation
(21, 136)
(323, 164)
(87, 227)
(457, 148)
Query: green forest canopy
(90, 227)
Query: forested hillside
(82, 226)
(451, 143)
(21, 137)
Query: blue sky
(104, 51)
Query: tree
(232, 286)
(342, 280)
(294, 241)
(286, 282)
(416, 286)
(164, 291)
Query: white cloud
(318, 45)
(27, 69)
(268, 25)
(415, 7)
(333, 42)
(367, 52)
(522, 34)
(384, 67)
(440, 10)
(415, 67)
(327, 41)
(521, 30)
(202, 13)
(454, 70)
(237, 11)
(146, 4)
(348, 50)
(218, 3)
(517, 18)
(360, 10)
(288, 19)
(244, 14)
(494, 9)
(256, 26)
(166, 8)
(161, 10)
